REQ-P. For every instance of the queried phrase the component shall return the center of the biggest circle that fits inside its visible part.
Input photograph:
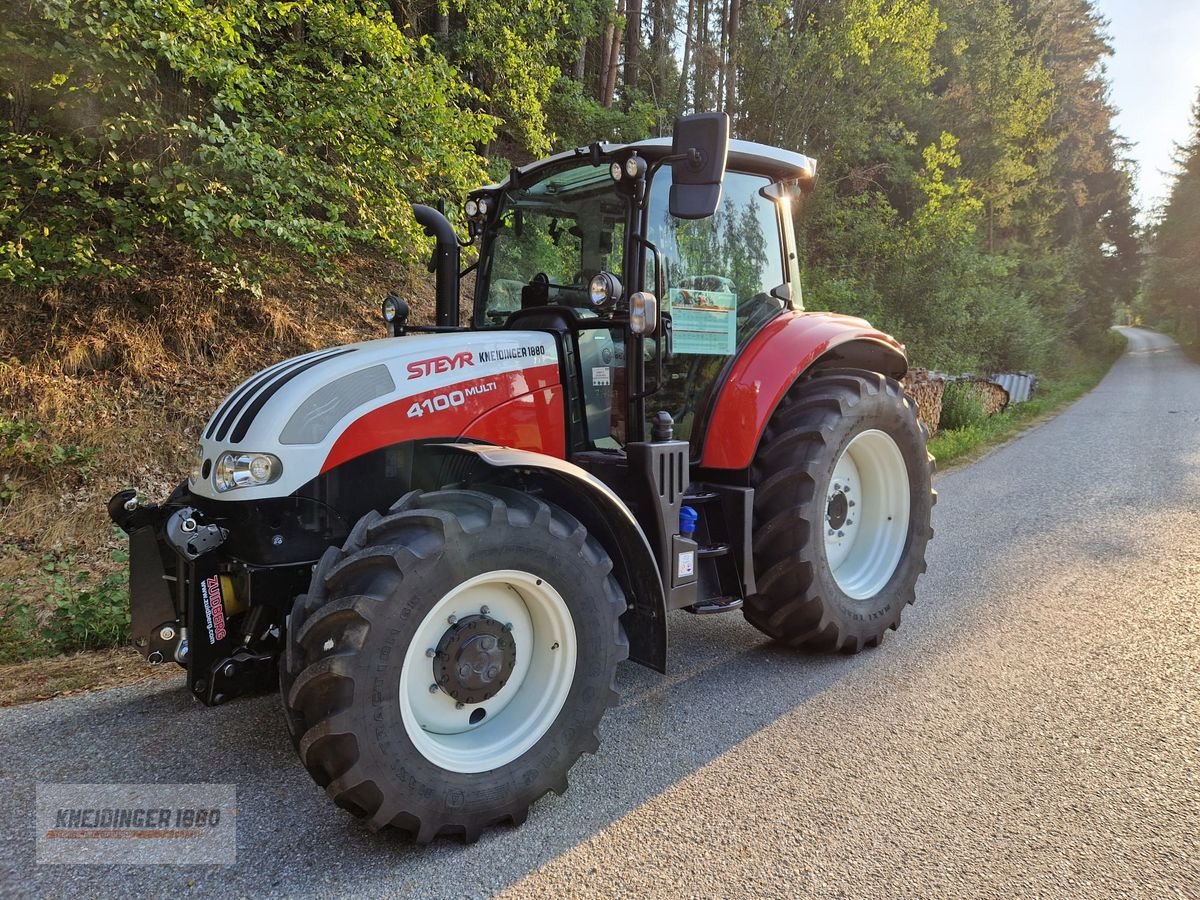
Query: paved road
(1032, 730)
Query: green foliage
(63, 608)
(303, 125)
(972, 200)
(578, 119)
(962, 406)
(507, 47)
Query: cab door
(724, 278)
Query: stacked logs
(993, 397)
(926, 391)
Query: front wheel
(841, 512)
(450, 664)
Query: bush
(306, 126)
(962, 407)
(78, 610)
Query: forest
(974, 197)
(1170, 297)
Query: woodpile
(993, 397)
(926, 391)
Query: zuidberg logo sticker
(214, 608)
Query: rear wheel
(453, 660)
(842, 509)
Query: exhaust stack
(445, 259)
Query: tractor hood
(315, 411)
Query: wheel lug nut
(831, 532)
(508, 626)
(849, 521)
(484, 610)
(850, 503)
(433, 689)
(841, 534)
(431, 653)
(452, 619)
(459, 705)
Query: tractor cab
(660, 258)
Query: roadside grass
(976, 433)
(63, 607)
(60, 676)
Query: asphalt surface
(1031, 730)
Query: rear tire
(453, 660)
(841, 512)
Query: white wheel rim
(866, 514)
(523, 710)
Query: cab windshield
(557, 232)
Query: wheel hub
(474, 659)
(837, 510)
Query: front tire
(453, 660)
(841, 512)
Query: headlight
(472, 209)
(197, 465)
(394, 308)
(635, 167)
(604, 289)
(483, 207)
(235, 470)
(615, 171)
(643, 313)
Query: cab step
(711, 550)
(714, 605)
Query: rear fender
(788, 347)
(606, 518)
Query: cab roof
(744, 156)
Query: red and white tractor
(440, 544)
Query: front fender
(770, 363)
(606, 518)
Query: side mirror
(698, 154)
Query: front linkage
(194, 603)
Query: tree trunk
(614, 53)
(681, 105)
(735, 21)
(606, 61)
(722, 51)
(700, 88)
(633, 41)
(399, 15)
(20, 104)
(580, 62)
